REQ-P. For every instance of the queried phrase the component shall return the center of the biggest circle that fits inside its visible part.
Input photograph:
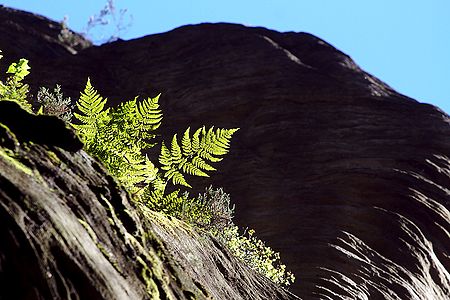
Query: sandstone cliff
(348, 179)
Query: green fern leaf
(191, 169)
(203, 140)
(176, 177)
(159, 183)
(175, 151)
(149, 114)
(186, 143)
(194, 154)
(90, 102)
(196, 140)
(208, 156)
(201, 164)
(165, 157)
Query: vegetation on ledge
(118, 136)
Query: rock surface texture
(347, 178)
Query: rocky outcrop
(28, 35)
(69, 232)
(348, 179)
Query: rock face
(69, 232)
(348, 179)
(19, 30)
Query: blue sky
(405, 43)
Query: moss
(38, 177)
(170, 224)
(147, 276)
(7, 138)
(109, 256)
(53, 157)
(88, 229)
(9, 156)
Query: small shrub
(210, 210)
(66, 36)
(247, 247)
(217, 205)
(54, 103)
(253, 252)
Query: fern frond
(149, 170)
(149, 114)
(90, 104)
(208, 156)
(191, 169)
(186, 143)
(175, 151)
(118, 136)
(193, 155)
(196, 140)
(201, 164)
(92, 116)
(218, 142)
(159, 183)
(176, 177)
(165, 157)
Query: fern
(192, 156)
(14, 89)
(92, 114)
(137, 121)
(118, 136)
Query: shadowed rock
(348, 179)
(21, 29)
(49, 131)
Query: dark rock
(45, 130)
(348, 179)
(29, 35)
